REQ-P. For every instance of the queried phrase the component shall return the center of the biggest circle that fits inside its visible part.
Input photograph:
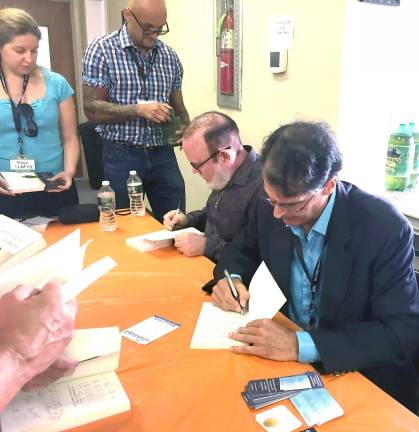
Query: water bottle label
(135, 189)
(106, 203)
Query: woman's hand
(64, 182)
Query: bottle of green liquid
(400, 154)
(169, 130)
(414, 175)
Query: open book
(17, 242)
(62, 262)
(91, 393)
(214, 324)
(157, 239)
(23, 181)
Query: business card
(150, 329)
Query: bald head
(152, 12)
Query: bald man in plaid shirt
(131, 84)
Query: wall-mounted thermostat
(278, 61)
(281, 36)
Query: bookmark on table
(150, 329)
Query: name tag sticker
(22, 164)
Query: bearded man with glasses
(132, 85)
(232, 171)
(342, 257)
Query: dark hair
(219, 129)
(300, 157)
(16, 22)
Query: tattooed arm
(98, 108)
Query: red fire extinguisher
(227, 54)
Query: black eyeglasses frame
(289, 207)
(197, 167)
(147, 31)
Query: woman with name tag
(37, 121)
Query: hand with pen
(175, 219)
(230, 294)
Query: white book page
(86, 277)
(266, 298)
(97, 350)
(65, 405)
(65, 255)
(214, 324)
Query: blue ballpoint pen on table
(233, 290)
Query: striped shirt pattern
(108, 63)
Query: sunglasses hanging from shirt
(20, 110)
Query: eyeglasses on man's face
(292, 207)
(197, 166)
(149, 30)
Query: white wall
(95, 19)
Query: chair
(92, 152)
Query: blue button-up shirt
(300, 286)
(109, 63)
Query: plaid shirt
(109, 63)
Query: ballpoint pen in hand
(177, 212)
(233, 290)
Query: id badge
(22, 164)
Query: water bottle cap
(133, 172)
(105, 182)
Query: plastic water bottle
(135, 193)
(106, 203)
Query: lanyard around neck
(15, 107)
(143, 75)
(314, 278)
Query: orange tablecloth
(173, 388)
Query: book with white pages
(61, 262)
(157, 239)
(214, 324)
(93, 392)
(17, 242)
(23, 181)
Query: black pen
(233, 290)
